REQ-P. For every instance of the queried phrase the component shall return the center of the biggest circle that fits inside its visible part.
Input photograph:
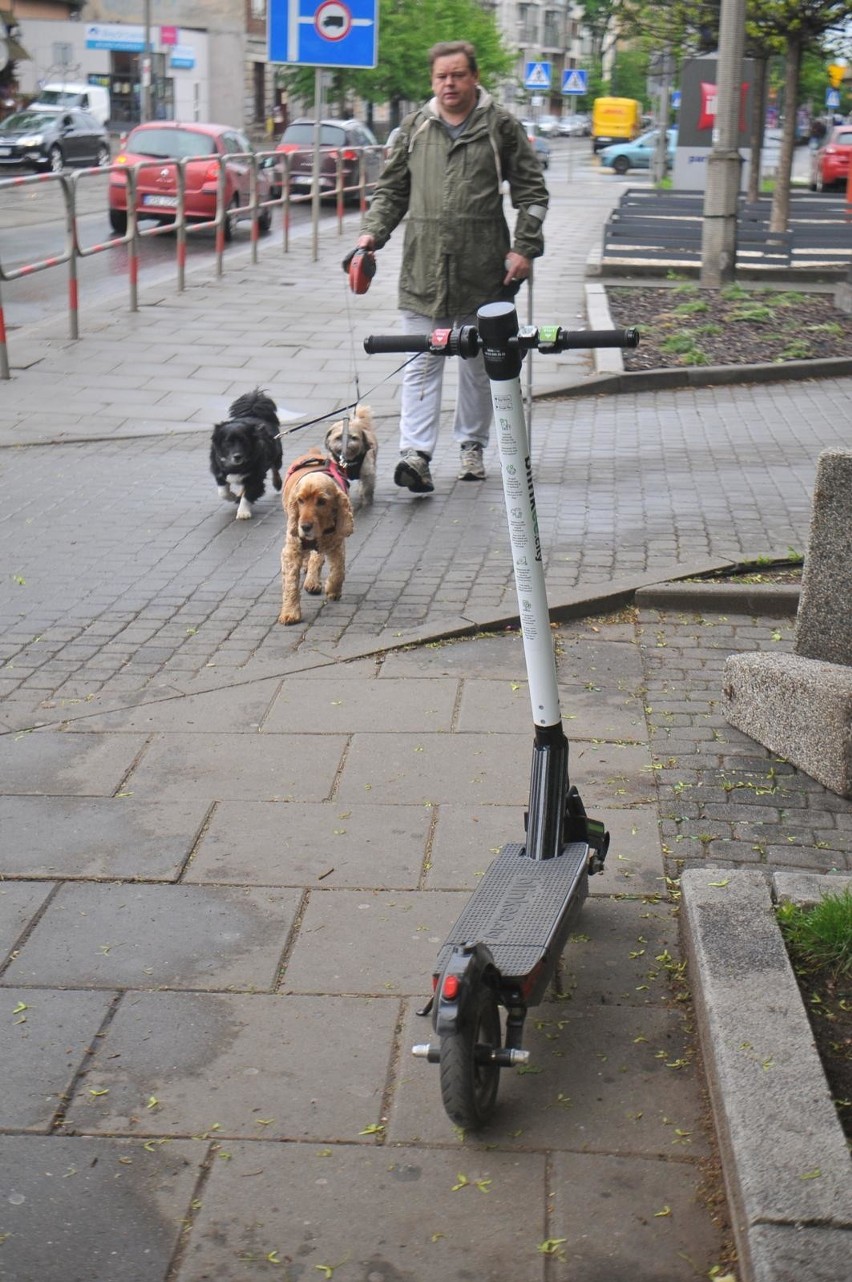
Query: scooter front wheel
(469, 1077)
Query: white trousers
(420, 405)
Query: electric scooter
(506, 944)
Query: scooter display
(506, 943)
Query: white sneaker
(472, 467)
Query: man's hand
(360, 266)
(364, 242)
(517, 268)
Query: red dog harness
(321, 464)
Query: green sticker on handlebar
(548, 333)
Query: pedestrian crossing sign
(575, 82)
(537, 75)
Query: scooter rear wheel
(468, 1081)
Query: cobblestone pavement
(123, 573)
(725, 800)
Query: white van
(91, 98)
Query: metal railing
(270, 187)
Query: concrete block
(105, 1208)
(807, 889)
(797, 707)
(791, 1252)
(785, 1158)
(371, 1213)
(843, 294)
(44, 1046)
(117, 935)
(224, 1061)
(608, 360)
(822, 626)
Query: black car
(52, 139)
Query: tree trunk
(780, 215)
(758, 119)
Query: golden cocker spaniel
(319, 521)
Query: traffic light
(835, 75)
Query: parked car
(830, 163)
(540, 145)
(548, 126)
(579, 125)
(53, 140)
(348, 140)
(638, 154)
(205, 147)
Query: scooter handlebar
(377, 343)
(597, 338)
(466, 341)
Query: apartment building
(207, 57)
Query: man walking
(446, 172)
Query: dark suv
(347, 140)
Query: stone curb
(649, 380)
(784, 1155)
(766, 599)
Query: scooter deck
(522, 909)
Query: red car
(201, 144)
(830, 164)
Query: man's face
(454, 85)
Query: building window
(258, 8)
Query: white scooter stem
(519, 496)
(549, 784)
(498, 325)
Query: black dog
(244, 449)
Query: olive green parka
(456, 234)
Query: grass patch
(820, 938)
(819, 943)
(684, 346)
(799, 350)
(752, 313)
(691, 309)
(829, 327)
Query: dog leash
(353, 370)
(345, 410)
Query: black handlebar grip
(600, 338)
(376, 343)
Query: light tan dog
(319, 521)
(361, 453)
